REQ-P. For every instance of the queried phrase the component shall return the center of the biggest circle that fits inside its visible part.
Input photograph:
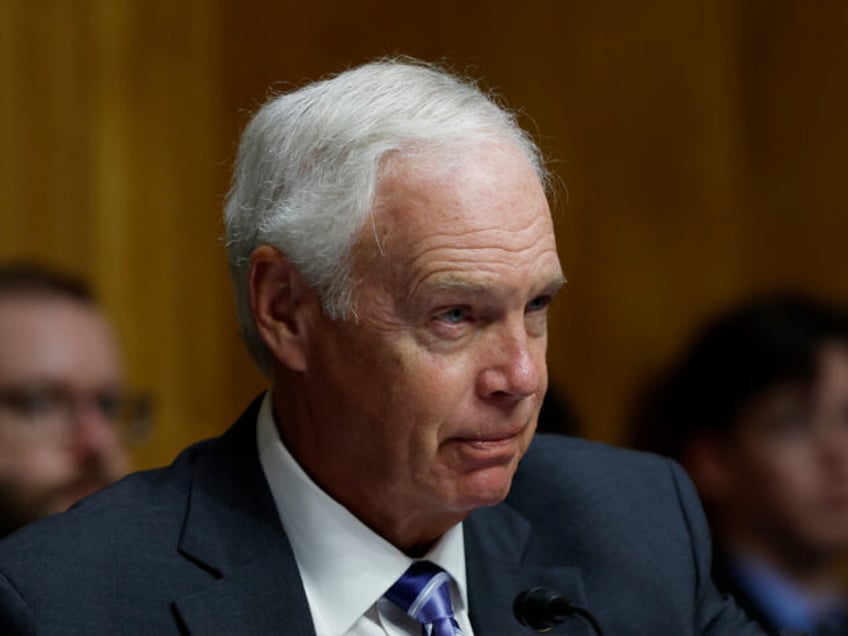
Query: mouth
(495, 445)
(492, 441)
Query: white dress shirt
(344, 565)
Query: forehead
(53, 338)
(476, 213)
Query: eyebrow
(457, 285)
(461, 285)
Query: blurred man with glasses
(63, 409)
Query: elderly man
(394, 261)
(60, 395)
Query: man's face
(54, 351)
(789, 461)
(430, 398)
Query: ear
(277, 295)
(707, 462)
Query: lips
(490, 442)
(493, 437)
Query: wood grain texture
(702, 145)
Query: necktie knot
(423, 592)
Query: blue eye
(539, 303)
(454, 315)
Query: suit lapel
(249, 601)
(232, 531)
(496, 540)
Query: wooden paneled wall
(702, 145)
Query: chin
(485, 490)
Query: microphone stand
(540, 608)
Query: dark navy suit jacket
(198, 548)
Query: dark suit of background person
(756, 409)
(410, 401)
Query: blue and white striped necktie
(423, 593)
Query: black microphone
(540, 608)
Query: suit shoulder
(583, 478)
(576, 457)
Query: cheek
(35, 466)
(417, 400)
(385, 394)
(778, 471)
(428, 401)
(436, 388)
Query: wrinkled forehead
(441, 186)
(478, 210)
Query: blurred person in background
(62, 397)
(756, 410)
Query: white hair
(309, 163)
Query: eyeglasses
(49, 410)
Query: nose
(95, 436)
(514, 365)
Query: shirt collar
(344, 565)
(783, 602)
